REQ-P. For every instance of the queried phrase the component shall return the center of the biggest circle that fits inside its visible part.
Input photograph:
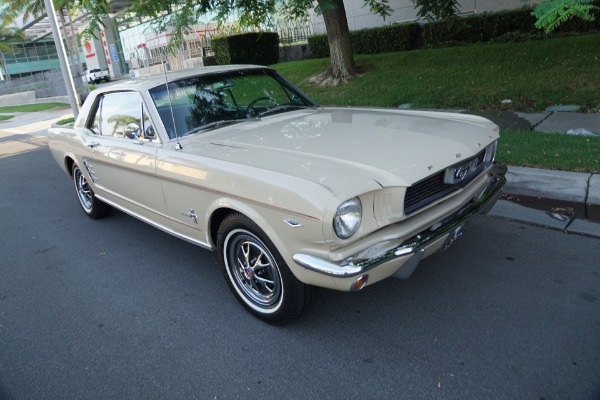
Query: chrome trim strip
(350, 267)
(156, 225)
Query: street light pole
(62, 58)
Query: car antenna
(177, 145)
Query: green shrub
(497, 27)
(478, 28)
(384, 39)
(319, 47)
(247, 48)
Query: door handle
(91, 145)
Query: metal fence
(196, 46)
(46, 84)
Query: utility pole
(62, 58)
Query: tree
(551, 14)
(8, 36)
(180, 15)
(35, 9)
(436, 9)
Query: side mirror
(132, 131)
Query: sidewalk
(567, 201)
(559, 122)
(34, 123)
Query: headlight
(347, 218)
(490, 152)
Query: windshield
(209, 101)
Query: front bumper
(412, 250)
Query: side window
(118, 110)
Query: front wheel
(257, 275)
(93, 207)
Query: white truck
(96, 75)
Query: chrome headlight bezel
(347, 218)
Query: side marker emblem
(191, 214)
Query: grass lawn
(65, 121)
(32, 107)
(549, 151)
(5, 117)
(533, 75)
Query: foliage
(372, 40)
(495, 27)
(7, 37)
(5, 117)
(247, 48)
(478, 28)
(551, 14)
(436, 9)
(500, 27)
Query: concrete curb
(555, 185)
(557, 192)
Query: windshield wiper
(281, 107)
(215, 124)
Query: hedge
(504, 26)
(488, 27)
(383, 39)
(260, 48)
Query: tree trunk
(4, 66)
(343, 66)
(63, 24)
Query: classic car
(292, 196)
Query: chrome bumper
(414, 246)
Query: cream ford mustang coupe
(291, 195)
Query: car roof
(150, 81)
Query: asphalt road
(115, 309)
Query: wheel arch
(69, 162)
(224, 207)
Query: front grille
(433, 187)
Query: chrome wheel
(93, 207)
(253, 270)
(256, 273)
(84, 192)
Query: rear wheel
(257, 275)
(93, 207)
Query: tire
(93, 207)
(271, 293)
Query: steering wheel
(253, 102)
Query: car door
(122, 154)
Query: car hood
(336, 147)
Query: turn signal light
(359, 283)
